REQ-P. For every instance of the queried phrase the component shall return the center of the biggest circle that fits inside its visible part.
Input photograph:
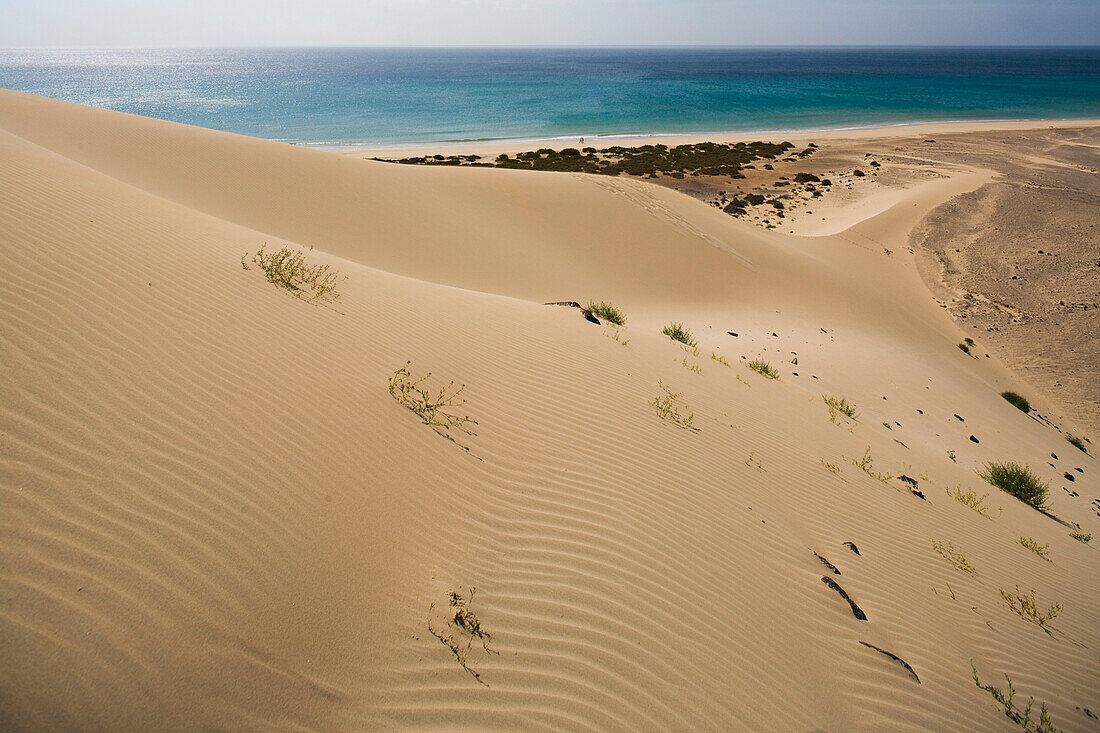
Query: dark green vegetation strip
(697, 159)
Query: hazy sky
(546, 22)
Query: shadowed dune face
(215, 515)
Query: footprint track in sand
(639, 195)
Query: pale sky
(154, 23)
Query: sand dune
(214, 515)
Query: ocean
(344, 97)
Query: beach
(227, 505)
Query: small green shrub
(1018, 401)
(842, 406)
(607, 312)
(1077, 443)
(288, 269)
(1082, 536)
(677, 332)
(1019, 481)
(763, 368)
(964, 348)
(1021, 718)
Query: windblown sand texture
(214, 514)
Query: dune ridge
(215, 515)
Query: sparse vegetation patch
(1022, 718)
(432, 406)
(841, 406)
(954, 555)
(969, 498)
(1077, 443)
(1042, 551)
(867, 465)
(1027, 607)
(670, 406)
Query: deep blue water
(387, 96)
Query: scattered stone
(852, 546)
(960, 418)
(1069, 477)
(908, 480)
(973, 439)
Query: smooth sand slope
(214, 515)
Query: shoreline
(499, 145)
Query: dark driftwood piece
(895, 657)
(827, 564)
(588, 316)
(856, 610)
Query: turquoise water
(340, 97)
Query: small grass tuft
(1027, 607)
(763, 368)
(1077, 443)
(1042, 551)
(841, 406)
(719, 358)
(1021, 718)
(668, 405)
(970, 499)
(1018, 401)
(831, 467)
(954, 555)
(1083, 537)
(867, 465)
(287, 268)
(607, 312)
(1019, 481)
(677, 332)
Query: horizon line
(558, 46)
